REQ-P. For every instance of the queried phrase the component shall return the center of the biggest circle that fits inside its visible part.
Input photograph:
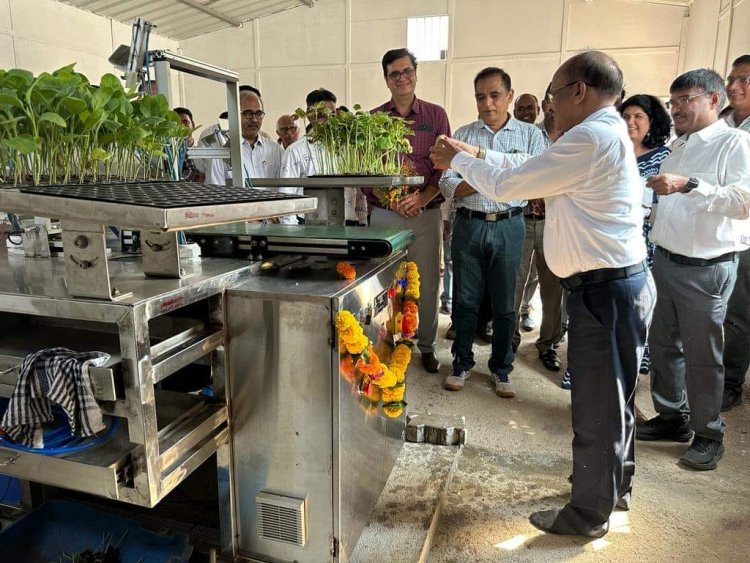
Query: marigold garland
(346, 270)
(382, 380)
(350, 333)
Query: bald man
(593, 193)
(526, 108)
(287, 130)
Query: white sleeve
(216, 173)
(563, 167)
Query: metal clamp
(84, 264)
(157, 247)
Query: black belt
(490, 217)
(602, 276)
(688, 261)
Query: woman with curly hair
(649, 127)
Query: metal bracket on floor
(438, 429)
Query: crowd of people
(631, 216)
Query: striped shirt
(516, 137)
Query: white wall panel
(5, 24)
(368, 85)
(383, 35)
(485, 29)
(53, 22)
(739, 40)
(38, 56)
(230, 48)
(700, 47)
(617, 24)
(722, 43)
(314, 36)
(648, 72)
(7, 59)
(369, 10)
(284, 89)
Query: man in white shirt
(593, 241)
(261, 156)
(304, 158)
(700, 223)
(737, 323)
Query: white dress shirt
(711, 219)
(745, 125)
(261, 160)
(303, 159)
(592, 190)
(516, 137)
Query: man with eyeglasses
(261, 156)
(593, 242)
(737, 323)
(419, 211)
(701, 224)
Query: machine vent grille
(281, 518)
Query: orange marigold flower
(348, 369)
(346, 270)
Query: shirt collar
(609, 110)
(510, 125)
(416, 106)
(258, 141)
(733, 123)
(707, 133)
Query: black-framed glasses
(285, 130)
(683, 100)
(249, 114)
(742, 80)
(561, 88)
(406, 73)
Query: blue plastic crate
(60, 527)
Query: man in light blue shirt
(488, 235)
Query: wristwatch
(692, 183)
(481, 153)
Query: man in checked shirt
(488, 235)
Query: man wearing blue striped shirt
(488, 235)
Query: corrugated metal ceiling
(181, 19)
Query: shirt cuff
(461, 160)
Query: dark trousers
(737, 328)
(608, 329)
(485, 255)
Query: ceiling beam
(211, 12)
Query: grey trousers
(425, 251)
(687, 342)
(549, 284)
(737, 328)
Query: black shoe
(485, 334)
(703, 454)
(550, 360)
(450, 334)
(731, 399)
(549, 521)
(430, 362)
(623, 503)
(659, 429)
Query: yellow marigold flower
(387, 379)
(400, 361)
(393, 394)
(350, 332)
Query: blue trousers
(608, 329)
(485, 255)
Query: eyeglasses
(406, 73)
(249, 114)
(742, 80)
(683, 100)
(285, 130)
(556, 90)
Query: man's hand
(409, 206)
(447, 230)
(665, 184)
(443, 151)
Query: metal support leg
(161, 255)
(331, 209)
(86, 269)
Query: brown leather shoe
(430, 362)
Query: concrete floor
(517, 461)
